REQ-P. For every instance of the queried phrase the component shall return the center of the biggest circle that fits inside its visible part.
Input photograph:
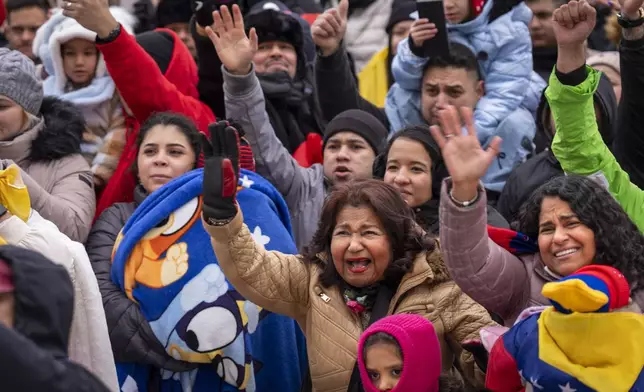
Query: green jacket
(579, 147)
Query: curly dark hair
(406, 237)
(618, 241)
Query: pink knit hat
(420, 350)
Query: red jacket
(146, 90)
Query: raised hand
(94, 15)
(329, 28)
(234, 48)
(221, 172)
(421, 30)
(464, 157)
(573, 23)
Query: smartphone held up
(433, 11)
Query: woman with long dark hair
(575, 221)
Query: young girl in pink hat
(402, 353)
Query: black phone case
(433, 11)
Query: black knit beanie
(361, 123)
(159, 45)
(401, 10)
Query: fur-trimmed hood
(61, 134)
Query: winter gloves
(221, 171)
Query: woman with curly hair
(368, 259)
(575, 220)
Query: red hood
(182, 70)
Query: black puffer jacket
(34, 353)
(130, 333)
(541, 168)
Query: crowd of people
(299, 196)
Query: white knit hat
(60, 29)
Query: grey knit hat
(18, 80)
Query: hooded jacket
(420, 350)
(34, 352)
(291, 104)
(146, 89)
(56, 175)
(98, 102)
(544, 166)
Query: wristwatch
(3, 210)
(110, 37)
(629, 24)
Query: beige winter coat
(287, 285)
(56, 175)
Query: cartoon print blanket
(163, 260)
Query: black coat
(629, 139)
(130, 333)
(33, 355)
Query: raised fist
(573, 23)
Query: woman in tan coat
(368, 259)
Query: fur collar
(61, 134)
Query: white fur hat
(60, 29)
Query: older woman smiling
(367, 259)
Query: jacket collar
(18, 149)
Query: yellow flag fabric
(13, 193)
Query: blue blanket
(164, 261)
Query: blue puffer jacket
(504, 50)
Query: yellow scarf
(13, 194)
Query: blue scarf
(163, 260)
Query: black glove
(221, 172)
(203, 9)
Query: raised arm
(486, 272)
(134, 70)
(245, 104)
(269, 279)
(629, 139)
(577, 143)
(336, 85)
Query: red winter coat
(146, 90)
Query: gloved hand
(221, 173)
(203, 9)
